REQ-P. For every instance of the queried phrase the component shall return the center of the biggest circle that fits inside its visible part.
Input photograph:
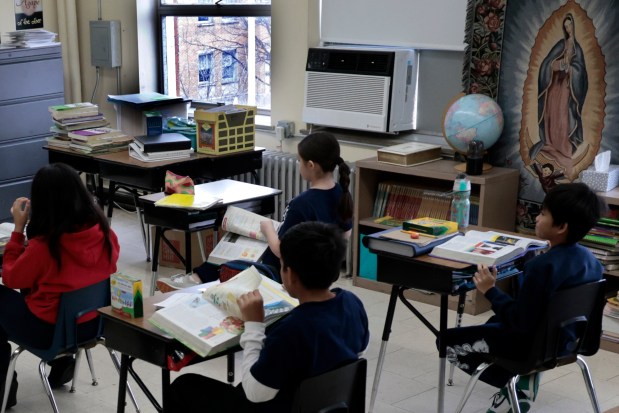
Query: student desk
(255, 198)
(123, 171)
(423, 273)
(137, 338)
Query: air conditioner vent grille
(351, 93)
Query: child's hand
(484, 279)
(20, 211)
(252, 306)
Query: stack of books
(157, 148)
(603, 241)
(99, 140)
(74, 116)
(29, 38)
(610, 323)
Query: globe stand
(461, 167)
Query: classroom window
(232, 43)
(205, 65)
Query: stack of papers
(29, 38)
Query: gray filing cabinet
(30, 81)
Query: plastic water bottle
(461, 204)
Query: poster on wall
(28, 14)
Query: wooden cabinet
(30, 81)
(497, 190)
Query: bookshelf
(497, 190)
(610, 335)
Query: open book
(488, 248)
(210, 322)
(243, 238)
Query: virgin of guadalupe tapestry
(558, 90)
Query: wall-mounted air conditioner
(360, 88)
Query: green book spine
(601, 240)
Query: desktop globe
(472, 117)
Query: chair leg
(513, 396)
(91, 367)
(9, 376)
(471, 384)
(76, 369)
(586, 374)
(129, 390)
(46, 385)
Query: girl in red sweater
(70, 246)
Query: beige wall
(294, 25)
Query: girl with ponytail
(325, 200)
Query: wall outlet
(287, 129)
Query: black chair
(339, 390)
(571, 328)
(67, 340)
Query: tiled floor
(409, 376)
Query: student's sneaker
(529, 385)
(176, 282)
(501, 404)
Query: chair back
(572, 326)
(338, 390)
(73, 305)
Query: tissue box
(127, 297)
(601, 181)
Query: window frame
(200, 10)
(209, 60)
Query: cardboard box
(601, 181)
(126, 292)
(225, 129)
(167, 258)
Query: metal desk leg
(230, 364)
(201, 244)
(461, 302)
(136, 203)
(165, 390)
(442, 353)
(110, 201)
(188, 269)
(383, 346)
(122, 384)
(155, 259)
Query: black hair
(314, 251)
(576, 205)
(549, 166)
(323, 148)
(60, 203)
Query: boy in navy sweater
(326, 330)
(568, 212)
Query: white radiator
(281, 171)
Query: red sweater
(84, 262)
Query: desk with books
(137, 338)
(432, 274)
(255, 198)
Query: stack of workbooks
(162, 147)
(99, 140)
(74, 116)
(603, 241)
(610, 323)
